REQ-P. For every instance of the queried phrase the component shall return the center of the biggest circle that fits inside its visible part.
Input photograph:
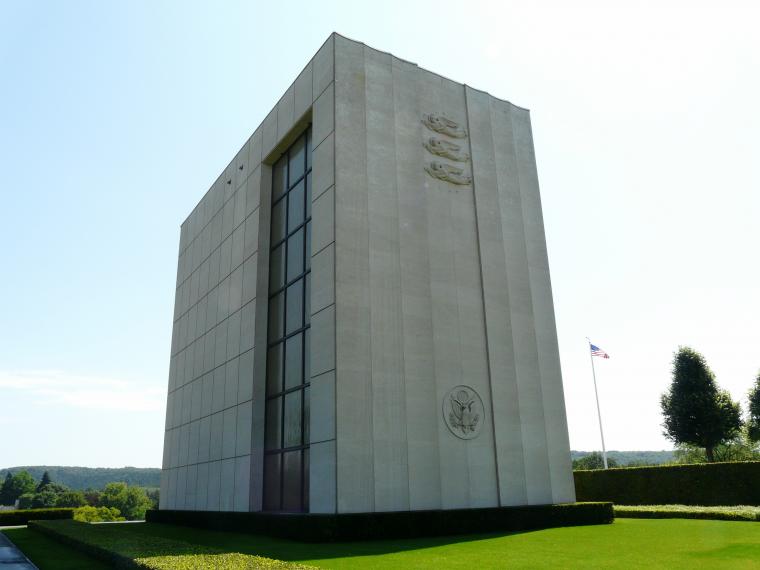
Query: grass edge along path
(732, 513)
(109, 543)
(49, 554)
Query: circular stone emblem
(463, 412)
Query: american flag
(596, 351)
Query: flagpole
(598, 409)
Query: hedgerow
(23, 516)
(737, 513)
(710, 484)
(122, 549)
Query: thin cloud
(92, 392)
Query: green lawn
(48, 554)
(628, 543)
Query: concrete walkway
(11, 558)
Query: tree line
(116, 501)
(91, 477)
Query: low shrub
(710, 484)
(97, 514)
(404, 524)
(123, 549)
(23, 516)
(737, 513)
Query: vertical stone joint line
(369, 282)
(401, 289)
(526, 477)
(483, 295)
(335, 274)
(532, 300)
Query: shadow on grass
(49, 554)
(294, 551)
(731, 551)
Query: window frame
(284, 335)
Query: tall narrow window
(286, 456)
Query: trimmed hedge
(405, 524)
(738, 513)
(23, 516)
(119, 548)
(736, 483)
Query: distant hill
(97, 477)
(92, 477)
(636, 457)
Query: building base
(391, 525)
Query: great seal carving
(463, 412)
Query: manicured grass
(627, 543)
(114, 544)
(49, 554)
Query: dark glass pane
(295, 206)
(295, 255)
(307, 355)
(273, 428)
(291, 481)
(308, 149)
(279, 178)
(293, 419)
(306, 414)
(308, 195)
(277, 268)
(307, 249)
(276, 316)
(278, 221)
(306, 480)
(297, 159)
(307, 299)
(293, 363)
(274, 369)
(294, 305)
(272, 482)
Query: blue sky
(117, 116)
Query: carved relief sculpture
(448, 172)
(441, 124)
(446, 149)
(463, 412)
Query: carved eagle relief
(448, 172)
(446, 149)
(443, 125)
(463, 412)
(462, 416)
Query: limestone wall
(435, 377)
(441, 280)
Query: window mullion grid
(289, 234)
(288, 391)
(305, 382)
(284, 449)
(286, 200)
(304, 253)
(291, 282)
